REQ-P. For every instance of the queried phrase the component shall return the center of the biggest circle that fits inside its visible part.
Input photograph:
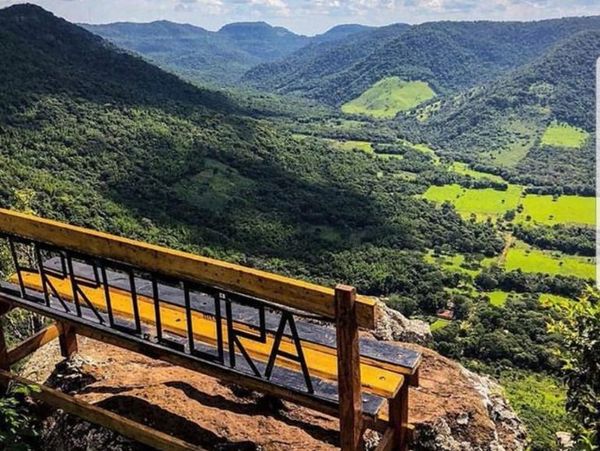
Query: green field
(365, 146)
(389, 96)
(564, 210)
(518, 135)
(462, 168)
(422, 148)
(439, 324)
(483, 203)
(542, 209)
(564, 135)
(212, 188)
(529, 259)
(497, 298)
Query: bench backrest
(286, 291)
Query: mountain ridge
(217, 57)
(449, 55)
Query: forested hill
(220, 57)
(46, 56)
(191, 51)
(519, 114)
(308, 69)
(448, 55)
(263, 40)
(339, 32)
(100, 138)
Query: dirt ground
(203, 411)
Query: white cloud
(279, 6)
(311, 16)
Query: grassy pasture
(462, 168)
(564, 135)
(364, 146)
(529, 259)
(483, 203)
(423, 148)
(457, 263)
(518, 135)
(564, 210)
(389, 96)
(439, 324)
(213, 187)
(541, 209)
(497, 298)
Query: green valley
(446, 168)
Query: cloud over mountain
(311, 16)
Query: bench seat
(375, 380)
(323, 389)
(385, 355)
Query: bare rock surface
(394, 326)
(457, 410)
(453, 409)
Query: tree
(510, 215)
(18, 428)
(579, 327)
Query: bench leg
(398, 408)
(414, 379)
(4, 364)
(351, 426)
(68, 341)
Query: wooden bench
(281, 336)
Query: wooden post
(67, 340)
(414, 379)
(398, 407)
(4, 362)
(348, 353)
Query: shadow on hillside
(254, 408)
(279, 214)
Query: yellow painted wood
(321, 363)
(272, 287)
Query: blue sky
(311, 16)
